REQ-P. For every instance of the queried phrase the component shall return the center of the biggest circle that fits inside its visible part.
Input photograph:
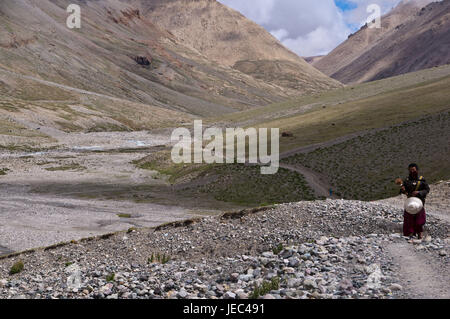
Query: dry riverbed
(84, 185)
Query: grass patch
(158, 258)
(278, 249)
(161, 162)
(16, 268)
(3, 171)
(22, 148)
(231, 183)
(44, 163)
(369, 113)
(111, 277)
(124, 215)
(246, 186)
(14, 129)
(68, 126)
(70, 167)
(107, 127)
(265, 288)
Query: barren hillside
(225, 36)
(413, 37)
(122, 55)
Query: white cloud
(280, 34)
(308, 27)
(260, 13)
(320, 41)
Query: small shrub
(110, 277)
(265, 288)
(165, 259)
(16, 268)
(276, 250)
(130, 230)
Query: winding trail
(320, 187)
(317, 183)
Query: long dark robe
(413, 224)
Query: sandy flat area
(57, 195)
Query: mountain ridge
(412, 38)
(103, 57)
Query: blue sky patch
(345, 5)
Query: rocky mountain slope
(123, 54)
(228, 38)
(323, 249)
(412, 37)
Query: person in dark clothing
(415, 186)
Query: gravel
(322, 249)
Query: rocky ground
(323, 249)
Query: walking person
(415, 186)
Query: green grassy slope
(246, 186)
(232, 183)
(365, 167)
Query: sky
(309, 27)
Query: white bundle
(413, 205)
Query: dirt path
(315, 181)
(423, 274)
(320, 187)
(423, 278)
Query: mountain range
(415, 35)
(204, 60)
